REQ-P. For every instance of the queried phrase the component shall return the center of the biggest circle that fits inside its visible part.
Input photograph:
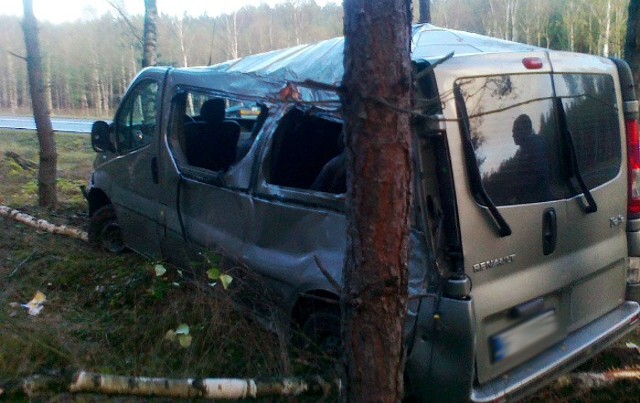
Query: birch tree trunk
(514, 21)
(13, 87)
(96, 96)
(231, 26)
(179, 24)
(47, 196)
(234, 36)
(150, 36)
(43, 225)
(295, 18)
(188, 388)
(607, 31)
(48, 84)
(377, 83)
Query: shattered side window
(209, 134)
(308, 153)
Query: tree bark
(13, 85)
(232, 28)
(425, 11)
(632, 42)
(374, 298)
(188, 388)
(179, 24)
(43, 225)
(47, 196)
(150, 36)
(607, 31)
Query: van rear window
(520, 149)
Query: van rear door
(536, 153)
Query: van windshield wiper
(475, 180)
(574, 168)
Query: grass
(110, 314)
(20, 186)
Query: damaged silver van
(525, 163)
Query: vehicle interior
(308, 153)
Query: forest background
(89, 63)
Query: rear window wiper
(574, 168)
(475, 180)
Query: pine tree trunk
(48, 157)
(377, 76)
(425, 11)
(150, 45)
(632, 42)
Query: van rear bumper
(574, 350)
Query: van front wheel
(104, 230)
(322, 331)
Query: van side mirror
(100, 137)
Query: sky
(57, 11)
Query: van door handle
(549, 231)
(154, 169)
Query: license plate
(523, 336)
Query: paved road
(59, 124)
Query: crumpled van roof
(322, 61)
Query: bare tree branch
(134, 30)
(17, 55)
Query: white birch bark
(586, 381)
(187, 388)
(43, 225)
(607, 31)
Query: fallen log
(24, 163)
(596, 380)
(43, 225)
(207, 388)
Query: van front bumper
(563, 357)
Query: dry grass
(19, 186)
(110, 314)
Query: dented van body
(520, 234)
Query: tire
(104, 230)
(321, 330)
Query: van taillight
(532, 63)
(633, 152)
